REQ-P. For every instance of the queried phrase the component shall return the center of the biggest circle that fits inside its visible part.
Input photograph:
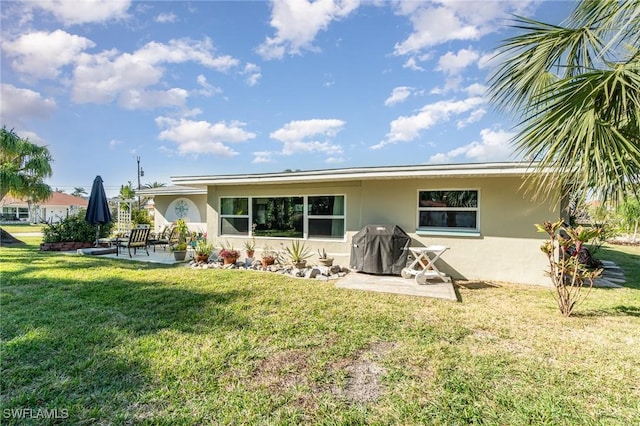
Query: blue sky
(215, 87)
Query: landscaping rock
(318, 272)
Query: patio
(352, 281)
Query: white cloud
(166, 18)
(207, 89)
(300, 136)
(436, 23)
(261, 157)
(150, 99)
(297, 22)
(113, 143)
(106, 76)
(408, 128)
(453, 63)
(494, 146)
(41, 54)
(31, 136)
(83, 11)
(475, 116)
(476, 89)
(412, 64)
(252, 71)
(18, 104)
(202, 137)
(399, 94)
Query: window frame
(443, 230)
(222, 216)
(305, 220)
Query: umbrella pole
(97, 235)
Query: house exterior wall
(195, 215)
(506, 248)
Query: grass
(21, 228)
(120, 342)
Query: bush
(75, 228)
(140, 217)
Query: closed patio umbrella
(98, 212)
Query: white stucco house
(52, 210)
(480, 211)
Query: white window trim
(305, 221)
(444, 231)
(222, 216)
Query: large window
(278, 217)
(448, 210)
(321, 216)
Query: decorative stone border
(310, 272)
(64, 246)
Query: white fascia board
(172, 190)
(365, 173)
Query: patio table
(423, 267)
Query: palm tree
(79, 191)
(23, 168)
(154, 185)
(576, 90)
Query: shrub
(74, 228)
(569, 270)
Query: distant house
(52, 210)
(478, 210)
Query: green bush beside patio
(116, 341)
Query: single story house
(52, 210)
(480, 211)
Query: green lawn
(119, 342)
(21, 228)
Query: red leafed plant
(569, 271)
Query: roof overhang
(366, 173)
(173, 190)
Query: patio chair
(138, 238)
(167, 236)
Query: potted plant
(323, 259)
(229, 254)
(179, 249)
(250, 247)
(203, 251)
(298, 253)
(268, 256)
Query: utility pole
(140, 174)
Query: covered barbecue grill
(380, 249)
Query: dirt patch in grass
(364, 374)
(283, 371)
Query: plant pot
(326, 262)
(179, 254)
(250, 253)
(229, 260)
(202, 258)
(266, 261)
(300, 265)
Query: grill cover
(380, 249)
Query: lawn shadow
(476, 285)
(620, 310)
(67, 339)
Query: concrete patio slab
(397, 285)
(159, 256)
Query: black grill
(380, 249)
